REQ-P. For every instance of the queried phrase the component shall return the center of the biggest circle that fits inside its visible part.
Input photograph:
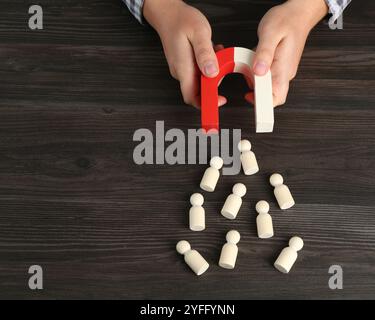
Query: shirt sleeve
(336, 8)
(136, 8)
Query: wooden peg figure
(234, 201)
(192, 258)
(211, 175)
(264, 220)
(282, 193)
(197, 213)
(289, 255)
(229, 251)
(248, 159)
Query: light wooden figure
(264, 220)
(192, 258)
(248, 159)
(197, 213)
(234, 201)
(211, 175)
(229, 251)
(288, 255)
(282, 193)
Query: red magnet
(237, 60)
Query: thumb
(205, 54)
(264, 54)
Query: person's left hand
(282, 35)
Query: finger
(281, 92)
(284, 69)
(221, 101)
(189, 76)
(218, 47)
(190, 88)
(249, 97)
(189, 85)
(265, 52)
(290, 52)
(280, 82)
(185, 70)
(197, 101)
(250, 82)
(204, 53)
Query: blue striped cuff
(136, 8)
(336, 8)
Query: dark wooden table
(73, 201)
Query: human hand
(185, 34)
(282, 35)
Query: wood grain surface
(73, 201)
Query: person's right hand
(186, 37)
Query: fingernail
(260, 68)
(210, 69)
(222, 101)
